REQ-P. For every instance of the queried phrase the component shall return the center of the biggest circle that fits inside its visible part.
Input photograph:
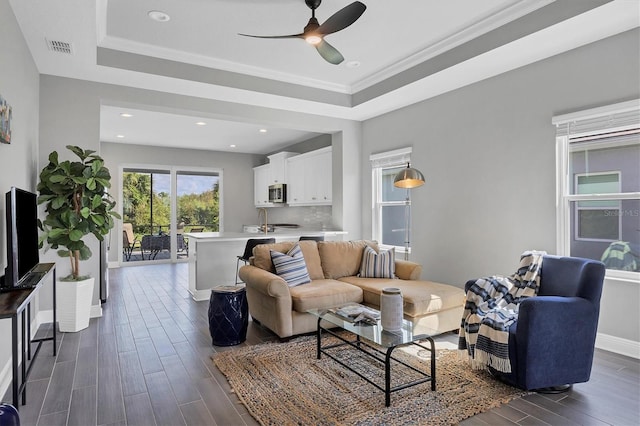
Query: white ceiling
(407, 51)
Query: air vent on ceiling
(60, 46)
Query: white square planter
(74, 304)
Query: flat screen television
(22, 235)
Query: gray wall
(70, 114)
(18, 161)
(237, 183)
(488, 154)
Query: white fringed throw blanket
(491, 308)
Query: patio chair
(129, 241)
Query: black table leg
(319, 339)
(55, 325)
(14, 360)
(387, 377)
(24, 359)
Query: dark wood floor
(146, 362)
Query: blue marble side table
(228, 315)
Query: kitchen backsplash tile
(313, 217)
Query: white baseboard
(618, 345)
(46, 316)
(200, 295)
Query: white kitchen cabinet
(278, 165)
(268, 174)
(261, 182)
(296, 178)
(309, 178)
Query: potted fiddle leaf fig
(76, 204)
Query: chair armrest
(264, 282)
(406, 270)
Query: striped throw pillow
(378, 265)
(291, 266)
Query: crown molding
(480, 27)
(120, 44)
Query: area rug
(285, 384)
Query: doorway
(160, 205)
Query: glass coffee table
(370, 339)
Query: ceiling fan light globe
(313, 39)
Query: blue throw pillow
(291, 266)
(378, 265)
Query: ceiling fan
(314, 33)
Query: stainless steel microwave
(278, 193)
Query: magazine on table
(357, 314)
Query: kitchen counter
(213, 255)
(285, 235)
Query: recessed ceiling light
(353, 64)
(200, 123)
(263, 130)
(232, 146)
(120, 136)
(158, 16)
(126, 115)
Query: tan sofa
(333, 268)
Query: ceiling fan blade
(281, 36)
(329, 53)
(342, 18)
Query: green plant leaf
(85, 212)
(97, 219)
(97, 200)
(76, 235)
(96, 166)
(78, 151)
(91, 183)
(53, 158)
(58, 202)
(56, 232)
(63, 253)
(57, 178)
(85, 253)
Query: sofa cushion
(323, 294)
(342, 258)
(262, 256)
(290, 266)
(419, 297)
(378, 265)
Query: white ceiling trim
(117, 43)
(483, 26)
(606, 21)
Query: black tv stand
(18, 303)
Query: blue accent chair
(551, 345)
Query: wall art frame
(5, 121)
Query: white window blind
(391, 158)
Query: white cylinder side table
(391, 309)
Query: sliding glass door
(159, 206)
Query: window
(598, 158)
(161, 204)
(597, 220)
(389, 203)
